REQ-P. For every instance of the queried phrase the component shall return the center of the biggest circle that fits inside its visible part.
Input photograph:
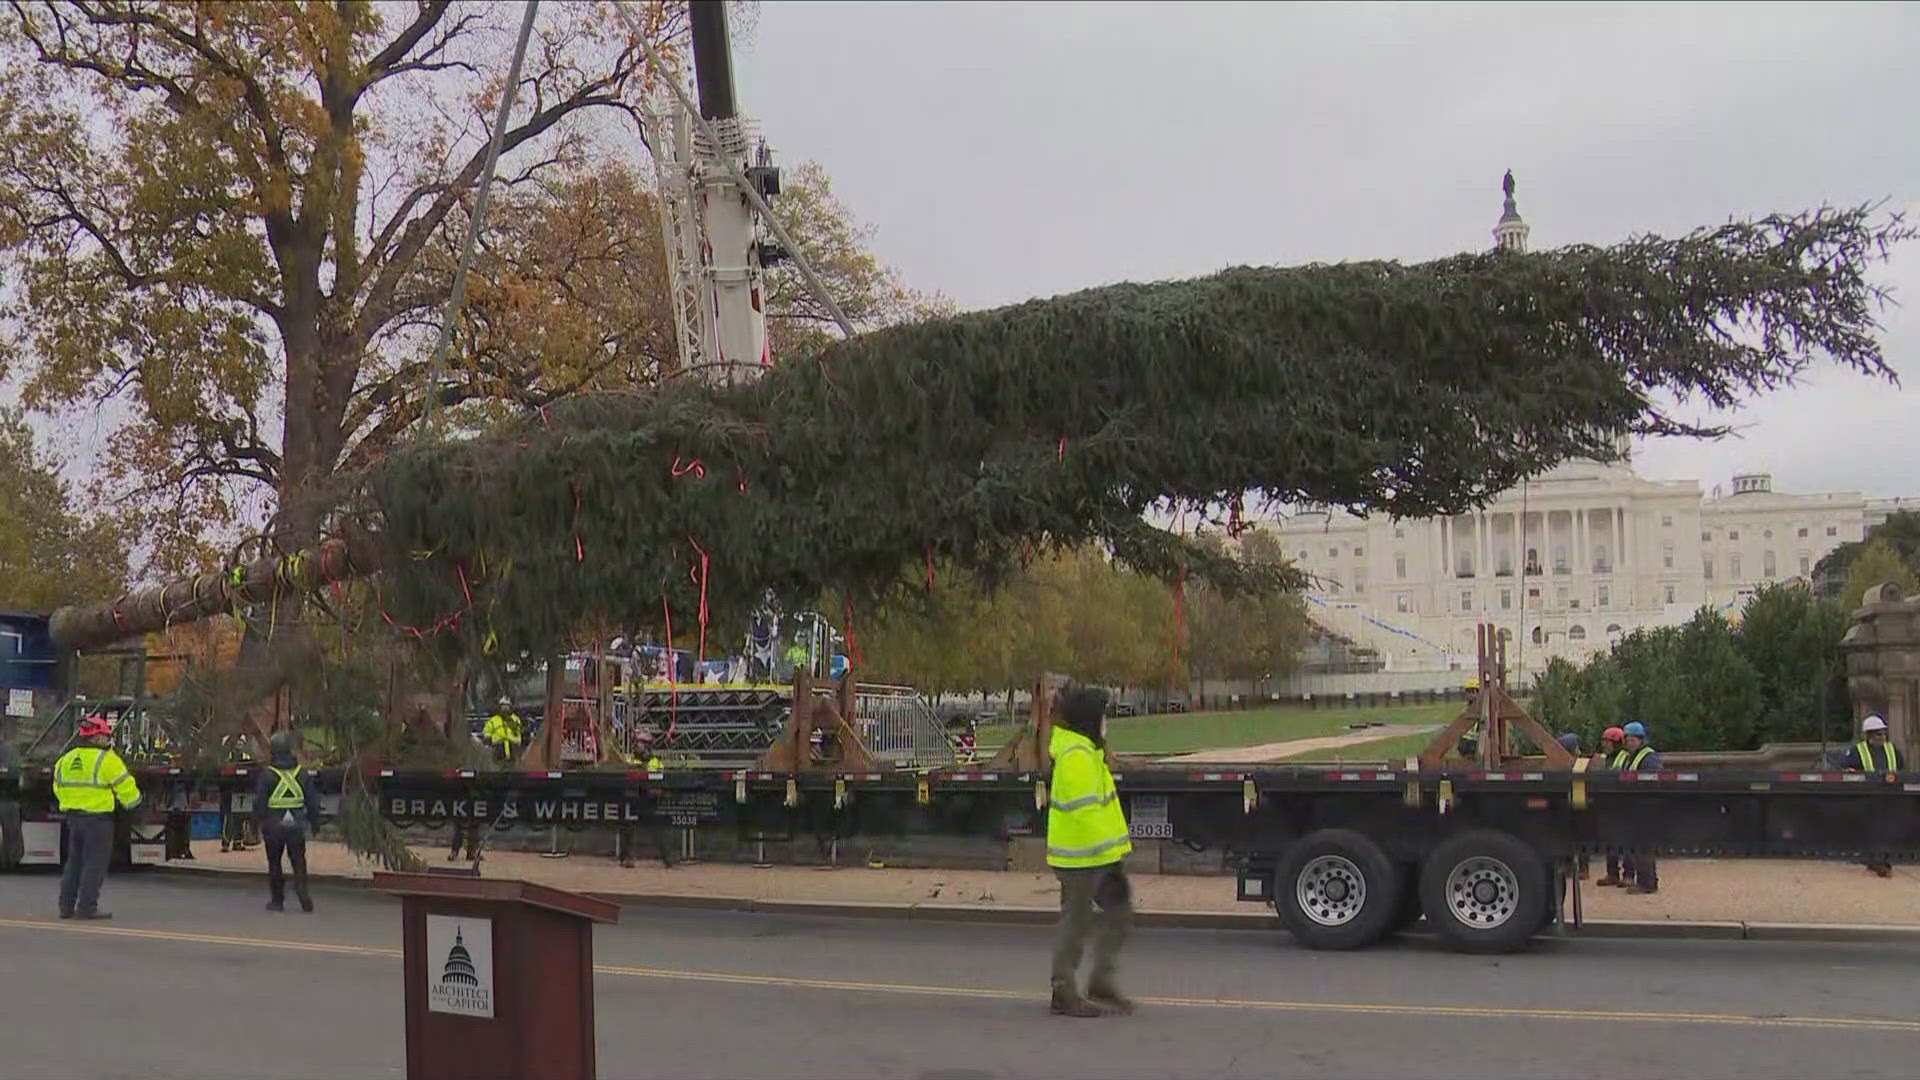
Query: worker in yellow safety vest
(1613, 758)
(504, 731)
(630, 833)
(88, 780)
(1874, 754)
(1086, 840)
(286, 808)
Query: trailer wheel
(1485, 892)
(1336, 890)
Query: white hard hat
(1873, 723)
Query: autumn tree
(835, 244)
(51, 551)
(1246, 637)
(241, 221)
(1901, 531)
(1878, 563)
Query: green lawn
(1179, 733)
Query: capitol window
(1705, 536)
(1506, 599)
(1603, 598)
(1399, 565)
(1669, 594)
(1767, 568)
(1666, 555)
(1803, 532)
(1400, 603)
(1358, 551)
(1706, 568)
(1831, 531)
(1466, 600)
(1399, 533)
(1333, 553)
(1768, 535)
(1576, 633)
(1733, 567)
(1733, 534)
(1805, 564)
(1666, 521)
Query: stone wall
(1883, 665)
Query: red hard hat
(94, 727)
(1613, 733)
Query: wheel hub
(1331, 890)
(1483, 892)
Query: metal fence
(900, 728)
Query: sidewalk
(1692, 891)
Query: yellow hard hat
(1473, 683)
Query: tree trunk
(158, 607)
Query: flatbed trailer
(1345, 855)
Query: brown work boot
(1610, 880)
(1882, 869)
(1104, 996)
(1642, 890)
(1068, 1002)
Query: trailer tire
(1485, 892)
(1336, 889)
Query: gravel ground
(1728, 890)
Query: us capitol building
(1564, 564)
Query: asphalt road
(194, 979)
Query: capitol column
(1486, 543)
(1581, 566)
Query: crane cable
(480, 202)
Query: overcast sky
(1006, 151)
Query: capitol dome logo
(460, 966)
(459, 969)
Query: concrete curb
(1763, 931)
(1264, 920)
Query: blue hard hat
(1637, 728)
(1570, 741)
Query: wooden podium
(499, 977)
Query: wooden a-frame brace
(1027, 751)
(793, 751)
(1494, 709)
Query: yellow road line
(198, 939)
(1488, 1012)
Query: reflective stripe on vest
(1865, 750)
(1639, 756)
(287, 792)
(1618, 763)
